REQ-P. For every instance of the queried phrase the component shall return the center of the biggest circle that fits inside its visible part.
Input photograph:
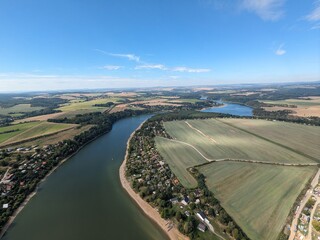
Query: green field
(29, 130)
(87, 105)
(17, 110)
(179, 157)
(287, 134)
(297, 102)
(217, 140)
(258, 197)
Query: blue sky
(49, 45)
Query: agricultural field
(287, 134)
(217, 140)
(54, 138)
(18, 109)
(258, 197)
(87, 106)
(23, 131)
(179, 157)
(306, 107)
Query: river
(84, 200)
(231, 108)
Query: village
(195, 212)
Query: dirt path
(199, 131)
(294, 223)
(242, 160)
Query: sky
(90, 44)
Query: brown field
(306, 107)
(122, 94)
(40, 118)
(300, 111)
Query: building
(201, 227)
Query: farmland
(304, 107)
(217, 140)
(259, 197)
(258, 194)
(18, 109)
(178, 162)
(287, 134)
(24, 131)
(87, 106)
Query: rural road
(303, 203)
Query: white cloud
(128, 56)
(315, 14)
(111, 67)
(151, 66)
(280, 51)
(265, 9)
(190, 70)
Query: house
(174, 200)
(201, 227)
(6, 205)
(201, 216)
(187, 213)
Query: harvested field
(306, 107)
(259, 197)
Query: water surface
(84, 200)
(231, 108)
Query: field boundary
(35, 138)
(271, 141)
(241, 160)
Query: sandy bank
(151, 212)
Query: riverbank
(151, 212)
(32, 194)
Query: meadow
(217, 140)
(258, 197)
(23, 131)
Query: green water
(83, 199)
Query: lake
(84, 199)
(231, 108)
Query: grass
(179, 157)
(18, 109)
(288, 134)
(30, 130)
(217, 140)
(258, 197)
(87, 105)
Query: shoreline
(151, 212)
(34, 192)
